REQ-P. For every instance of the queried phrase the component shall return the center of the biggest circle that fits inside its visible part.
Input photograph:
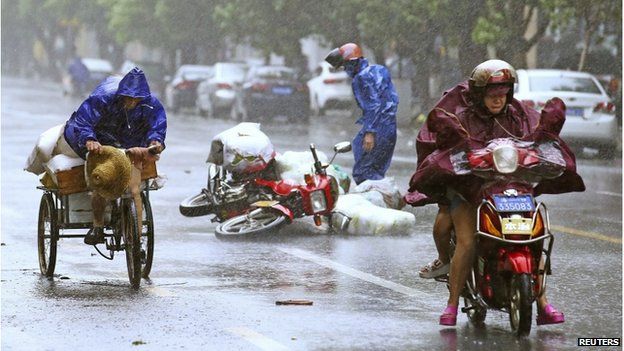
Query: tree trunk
(471, 54)
(586, 38)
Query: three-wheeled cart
(65, 212)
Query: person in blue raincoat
(79, 74)
(374, 92)
(120, 112)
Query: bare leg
(98, 204)
(542, 301)
(464, 221)
(135, 190)
(442, 233)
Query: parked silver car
(590, 114)
(216, 94)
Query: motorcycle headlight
(505, 159)
(319, 203)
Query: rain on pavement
(210, 294)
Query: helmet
(338, 56)
(491, 72)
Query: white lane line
(261, 341)
(352, 272)
(609, 193)
(158, 291)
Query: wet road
(209, 294)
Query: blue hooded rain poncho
(375, 95)
(101, 116)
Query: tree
(271, 26)
(504, 26)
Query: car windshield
(275, 73)
(576, 84)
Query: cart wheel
(147, 238)
(130, 233)
(47, 235)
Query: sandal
(449, 316)
(434, 269)
(550, 315)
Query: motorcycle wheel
(521, 304)
(255, 222)
(476, 314)
(195, 206)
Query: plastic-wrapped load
(60, 163)
(242, 149)
(295, 164)
(43, 150)
(386, 187)
(355, 215)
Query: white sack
(43, 149)
(295, 164)
(355, 215)
(387, 187)
(61, 163)
(242, 149)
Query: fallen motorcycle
(289, 200)
(514, 243)
(256, 202)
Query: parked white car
(330, 89)
(590, 114)
(216, 93)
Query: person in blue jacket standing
(374, 93)
(120, 112)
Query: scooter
(255, 203)
(514, 242)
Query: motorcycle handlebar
(317, 164)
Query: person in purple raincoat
(120, 112)
(468, 116)
(374, 93)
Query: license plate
(517, 226)
(577, 112)
(282, 90)
(519, 203)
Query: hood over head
(134, 84)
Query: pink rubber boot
(550, 315)
(449, 316)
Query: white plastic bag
(387, 187)
(355, 215)
(42, 152)
(242, 149)
(295, 164)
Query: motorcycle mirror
(342, 147)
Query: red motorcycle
(256, 203)
(514, 242)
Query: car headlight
(319, 203)
(505, 159)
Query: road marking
(609, 193)
(257, 339)
(586, 234)
(158, 291)
(351, 271)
